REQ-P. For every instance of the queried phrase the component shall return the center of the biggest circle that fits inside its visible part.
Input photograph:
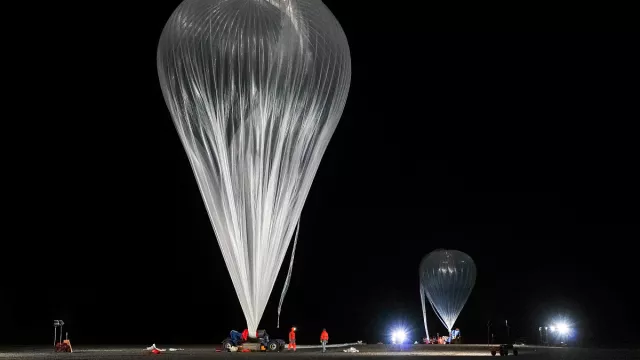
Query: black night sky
(503, 133)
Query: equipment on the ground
(261, 343)
(503, 350)
(60, 346)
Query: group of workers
(453, 338)
(324, 339)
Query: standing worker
(324, 338)
(455, 334)
(292, 339)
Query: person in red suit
(292, 339)
(324, 339)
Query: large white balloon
(255, 89)
(446, 279)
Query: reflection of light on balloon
(446, 280)
(448, 269)
(255, 89)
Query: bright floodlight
(552, 328)
(398, 336)
(562, 328)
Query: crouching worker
(236, 337)
(292, 339)
(324, 339)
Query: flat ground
(377, 352)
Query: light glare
(562, 328)
(398, 336)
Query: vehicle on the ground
(261, 343)
(503, 350)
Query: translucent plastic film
(447, 277)
(255, 89)
(424, 310)
(288, 279)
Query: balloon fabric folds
(255, 89)
(446, 279)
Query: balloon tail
(424, 311)
(286, 282)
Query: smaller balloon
(446, 279)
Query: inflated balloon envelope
(255, 89)
(446, 279)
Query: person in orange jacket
(324, 339)
(292, 339)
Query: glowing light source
(562, 328)
(552, 328)
(398, 336)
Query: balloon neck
(253, 333)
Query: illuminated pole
(540, 338)
(546, 335)
(508, 334)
